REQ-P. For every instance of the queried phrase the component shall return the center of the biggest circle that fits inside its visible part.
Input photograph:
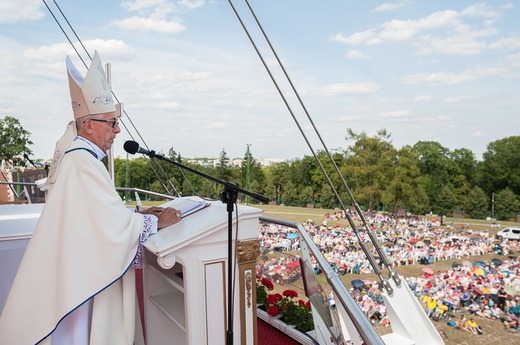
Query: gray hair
(81, 120)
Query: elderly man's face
(105, 130)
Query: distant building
(236, 162)
(11, 194)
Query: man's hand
(166, 215)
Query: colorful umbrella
(510, 290)
(497, 262)
(427, 270)
(480, 271)
(479, 264)
(357, 283)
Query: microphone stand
(229, 197)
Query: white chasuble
(83, 244)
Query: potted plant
(286, 306)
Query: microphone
(30, 161)
(132, 147)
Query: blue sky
(445, 71)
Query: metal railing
(146, 192)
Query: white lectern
(185, 281)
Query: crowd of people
(475, 289)
(405, 241)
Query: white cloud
(397, 114)
(351, 118)
(191, 4)
(438, 78)
(191, 76)
(442, 32)
(168, 106)
(477, 134)
(19, 10)
(509, 43)
(357, 55)
(141, 5)
(449, 78)
(149, 25)
(459, 99)
(513, 60)
(479, 10)
(350, 89)
(155, 15)
(455, 45)
(388, 7)
(424, 98)
(108, 49)
(216, 125)
(364, 37)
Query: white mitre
(90, 95)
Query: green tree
(507, 205)
(257, 188)
(319, 182)
(402, 189)
(290, 195)
(306, 196)
(327, 199)
(433, 160)
(252, 168)
(446, 200)
(140, 173)
(14, 139)
(369, 161)
(461, 169)
(223, 171)
(276, 180)
(500, 167)
(477, 205)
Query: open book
(189, 206)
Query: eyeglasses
(113, 122)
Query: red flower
(274, 298)
(301, 302)
(271, 299)
(308, 304)
(267, 283)
(272, 310)
(290, 293)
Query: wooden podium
(185, 278)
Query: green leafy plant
(292, 311)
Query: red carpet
(267, 335)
